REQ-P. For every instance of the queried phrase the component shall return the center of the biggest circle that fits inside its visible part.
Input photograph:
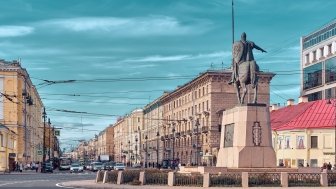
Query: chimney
(290, 102)
(303, 99)
(274, 107)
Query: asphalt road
(41, 180)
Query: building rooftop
(306, 115)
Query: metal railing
(130, 175)
(188, 179)
(156, 178)
(112, 177)
(331, 179)
(264, 179)
(304, 179)
(226, 180)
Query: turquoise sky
(103, 42)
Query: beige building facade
(192, 116)
(21, 113)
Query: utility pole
(44, 114)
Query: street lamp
(333, 103)
(157, 149)
(121, 151)
(146, 137)
(49, 123)
(136, 150)
(44, 115)
(173, 131)
(129, 152)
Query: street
(42, 180)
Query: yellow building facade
(20, 112)
(304, 134)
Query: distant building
(304, 134)
(318, 63)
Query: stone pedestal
(246, 140)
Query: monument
(246, 140)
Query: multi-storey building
(304, 134)
(192, 115)
(21, 112)
(151, 143)
(318, 63)
(105, 142)
(127, 138)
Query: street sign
(57, 132)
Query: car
(96, 166)
(136, 165)
(119, 166)
(47, 167)
(76, 167)
(108, 165)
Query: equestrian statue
(245, 68)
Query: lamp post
(197, 153)
(136, 150)
(173, 131)
(146, 138)
(121, 151)
(44, 115)
(333, 103)
(129, 152)
(157, 149)
(49, 124)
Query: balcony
(205, 129)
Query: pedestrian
(21, 167)
(37, 166)
(329, 166)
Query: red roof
(306, 115)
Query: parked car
(76, 167)
(136, 165)
(119, 166)
(96, 166)
(47, 167)
(108, 165)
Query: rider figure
(246, 56)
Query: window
(312, 76)
(314, 55)
(329, 49)
(300, 142)
(330, 70)
(315, 96)
(322, 52)
(313, 142)
(313, 163)
(300, 162)
(307, 58)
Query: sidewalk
(91, 184)
(26, 172)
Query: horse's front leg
(244, 93)
(255, 94)
(238, 93)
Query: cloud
(160, 58)
(130, 27)
(14, 31)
